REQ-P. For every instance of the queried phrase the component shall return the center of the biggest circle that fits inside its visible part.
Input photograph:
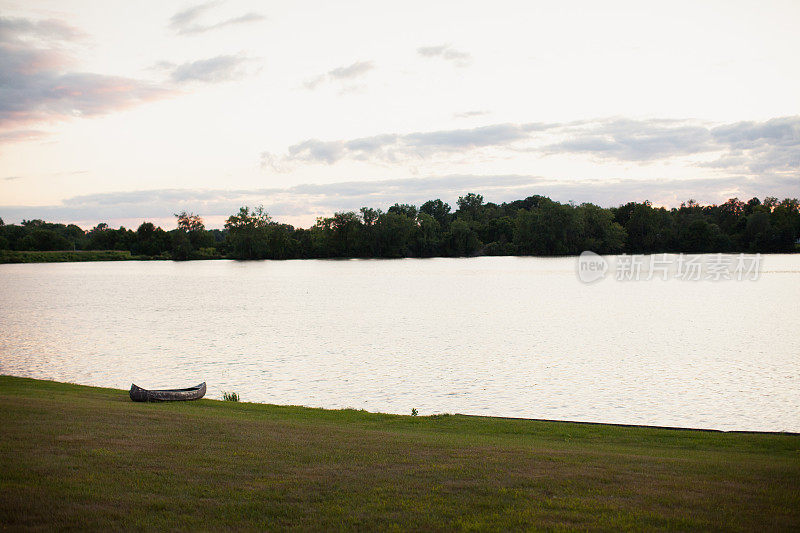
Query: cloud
(446, 52)
(12, 178)
(212, 70)
(15, 29)
(187, 22)
(20, 135)
(342, 74)
(301, 204)
(470, 114)
(396, 147)
(744, 147)
(461, 139)
(358, 68)
(754, 147)
(635, 140)
(36, 85)
(760, 146)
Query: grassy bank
(11, 256)
(14, 256)
(89, 458)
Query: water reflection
(499, 336)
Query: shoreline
(79, 457)
(466, 415)
(642, 426)
(12, 257)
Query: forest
(536, 225)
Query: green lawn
(89, 458)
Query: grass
(15, 256)
(11, 256)
(230, 396)
(74, 457)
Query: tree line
(536, 225)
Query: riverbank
(11, 256)
(77, 256)
(89, 458)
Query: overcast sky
(123, 111)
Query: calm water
(498, 336)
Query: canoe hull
(139, 394)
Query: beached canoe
(139, 394)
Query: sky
(122, 112)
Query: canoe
(139, 394)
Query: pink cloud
(37, 86)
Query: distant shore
(79, 256)
(89, 458)
(534, 226)
(12, 256)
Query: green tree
(339, 235)
(247, 234)
(44, 240)
(393, 233)
(461, 239)
(181, 246)
(439, 210)
(404, 209)
(101, 237)
(469, 206)
(785, 219)
(75, 235)
(550, 229)
(189, 222)
(369, 216)
(280, 241)
(600, 233)
(192, 225)
(427, 236)
(369, 238)
(151, 241)
(649, 230)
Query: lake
(504, 336)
